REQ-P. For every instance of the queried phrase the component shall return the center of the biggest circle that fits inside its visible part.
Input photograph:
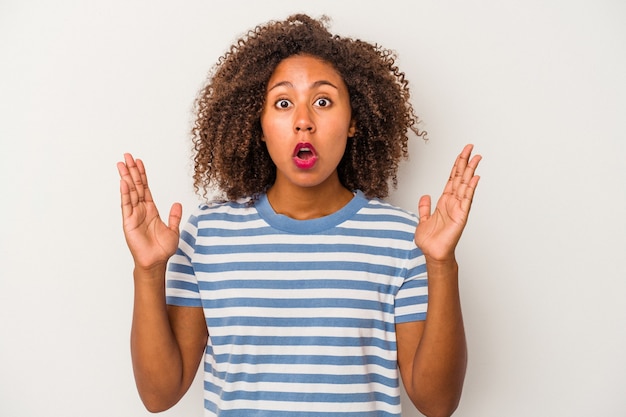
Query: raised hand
(438, 233)
(149, 239)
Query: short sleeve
(411, 301)
(182, 285)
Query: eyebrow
(314, 85)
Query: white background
(538, 86)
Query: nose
(304, 121)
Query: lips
(304, 155)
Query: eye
(322, 102)
(283, 104)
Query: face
(306, 121)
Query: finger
(141, 168)
(470, 169)
(458, 169)
(462, 162)
(424, 207)
(468, 194)
(137, 189)
(122, 168)
(127, 207)
(467, 176)
(449, 187)
(466, 169)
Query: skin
(160, 334)
(432, 355)
(306, 101)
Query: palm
(438, 233)
(150, 240)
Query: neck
(308, 203)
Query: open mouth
(304, 155)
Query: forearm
(441, 358)
(156, 356)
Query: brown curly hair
(227, 133)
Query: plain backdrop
(538, 86)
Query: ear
(352, 128)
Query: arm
(166, 342)
(432, 355)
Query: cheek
(339, 148)
(270, 125)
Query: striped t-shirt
(301, 314)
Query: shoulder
(380, 210)
(220, 211)
(377, 219)
(221, 206)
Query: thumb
(423, 208)
(176, 214)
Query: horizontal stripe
(335, 380)
(188, 238)
(181, 285)
(298, 303)
(411, 301)
(255, 410)
(290, 341)
(336, 369)
(324, 249)
(268, 322)
(302, 331)
(296, 266)
(294, 284)
(213, 231)
(269, 316)
(296, 397)
(404, 247)
(183, 301)
(310, 360)
(410, 317)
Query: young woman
(302, 290)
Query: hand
(437, 234)
(149, 239)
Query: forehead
(305, 67)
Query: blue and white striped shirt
(301, 313)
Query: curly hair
(227, 132)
